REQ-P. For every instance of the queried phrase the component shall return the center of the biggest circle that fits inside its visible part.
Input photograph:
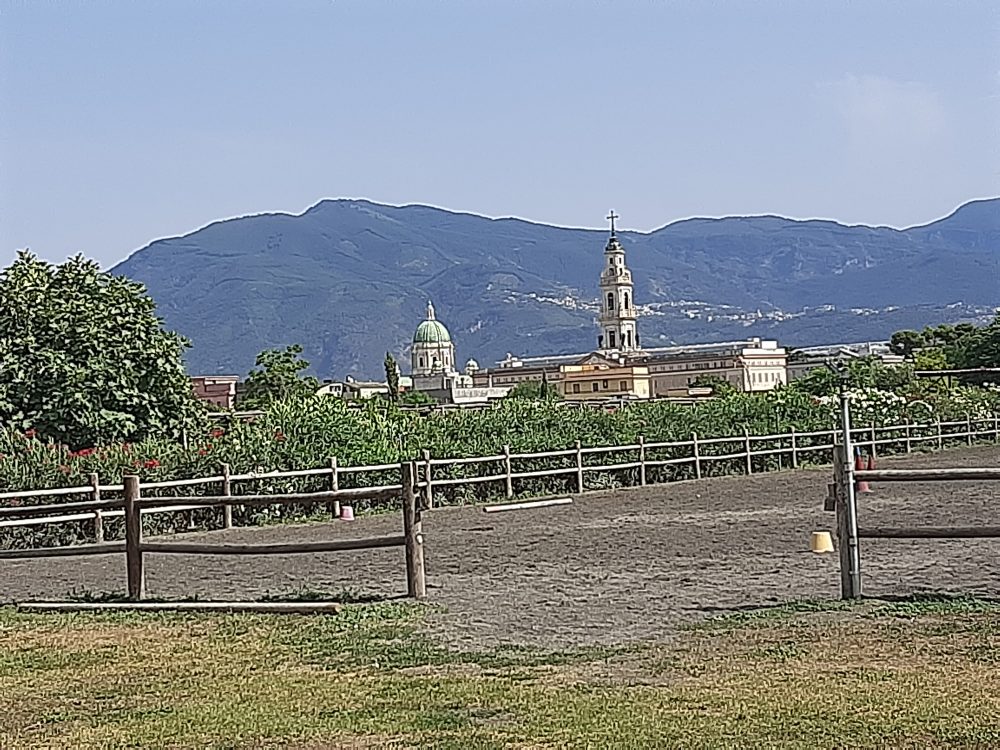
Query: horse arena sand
(615, 567)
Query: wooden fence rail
(133, 503)
(790, 449)
(844, 489)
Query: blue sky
(122, 122)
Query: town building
(432, 367)
(217, 390)
(804, 360)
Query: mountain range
(350, 280)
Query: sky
(122, 122)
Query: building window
(576, 387)
(421, 361)
(622, 385)
(611, 301)
(595, 386)
(604, 384)
(611, 339)
(628, 334)
(626, 300)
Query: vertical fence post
(333, 507)
(642, 460)
(227, 490)
(909, 442)
(940, 439)
(579, 468)
(133, 538)
(95, 495)
(847, 509)
(746, 444)
(874, 440)
(508, 479)
(795, 449)
(968, 429)
(697, 455)
(428, 491)
(416, 583)
(996, 428)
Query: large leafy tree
(85, 360)
(278, 376)
(981, 347)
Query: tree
(720, 386)
(392, 377)
(278, 377)
(84, 360)
(981, 347)
(906, 343)
(417, 398)
(534, 390)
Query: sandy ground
(613, 567)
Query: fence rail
(135, 547)
(847, 477)
(788, 449)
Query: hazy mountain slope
(350, 279)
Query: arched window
(611, 301)
(626, 300)
(611, 339)
(421, 361)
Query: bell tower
(617, 320)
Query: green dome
(431, 332)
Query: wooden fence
(843, 499)
(134, 546)
(643, 461)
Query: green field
(907, 674)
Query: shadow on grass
(906, 605)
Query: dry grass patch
(912, 674)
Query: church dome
(431, 331)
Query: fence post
(697, 455)
(416, 583)
(909, 444)
(795, 449)
(642, 461)
(227, 490)
(940, 439)
(873, 440)
(847, 508)
(133, 538)
(95, 495)
(746, 443)
(996, 428)
(968, 429)
(579, 468)
(333, 507)
(508, 479)
(428, 492)
(841, 484)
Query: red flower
(151, 463)
(30, 433)
(279, 435)
(202, 451)
(218, 432)
(84, 452)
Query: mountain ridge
(343, 268)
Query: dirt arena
(614, 567)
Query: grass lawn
(908, 674)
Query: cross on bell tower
(617, 320)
